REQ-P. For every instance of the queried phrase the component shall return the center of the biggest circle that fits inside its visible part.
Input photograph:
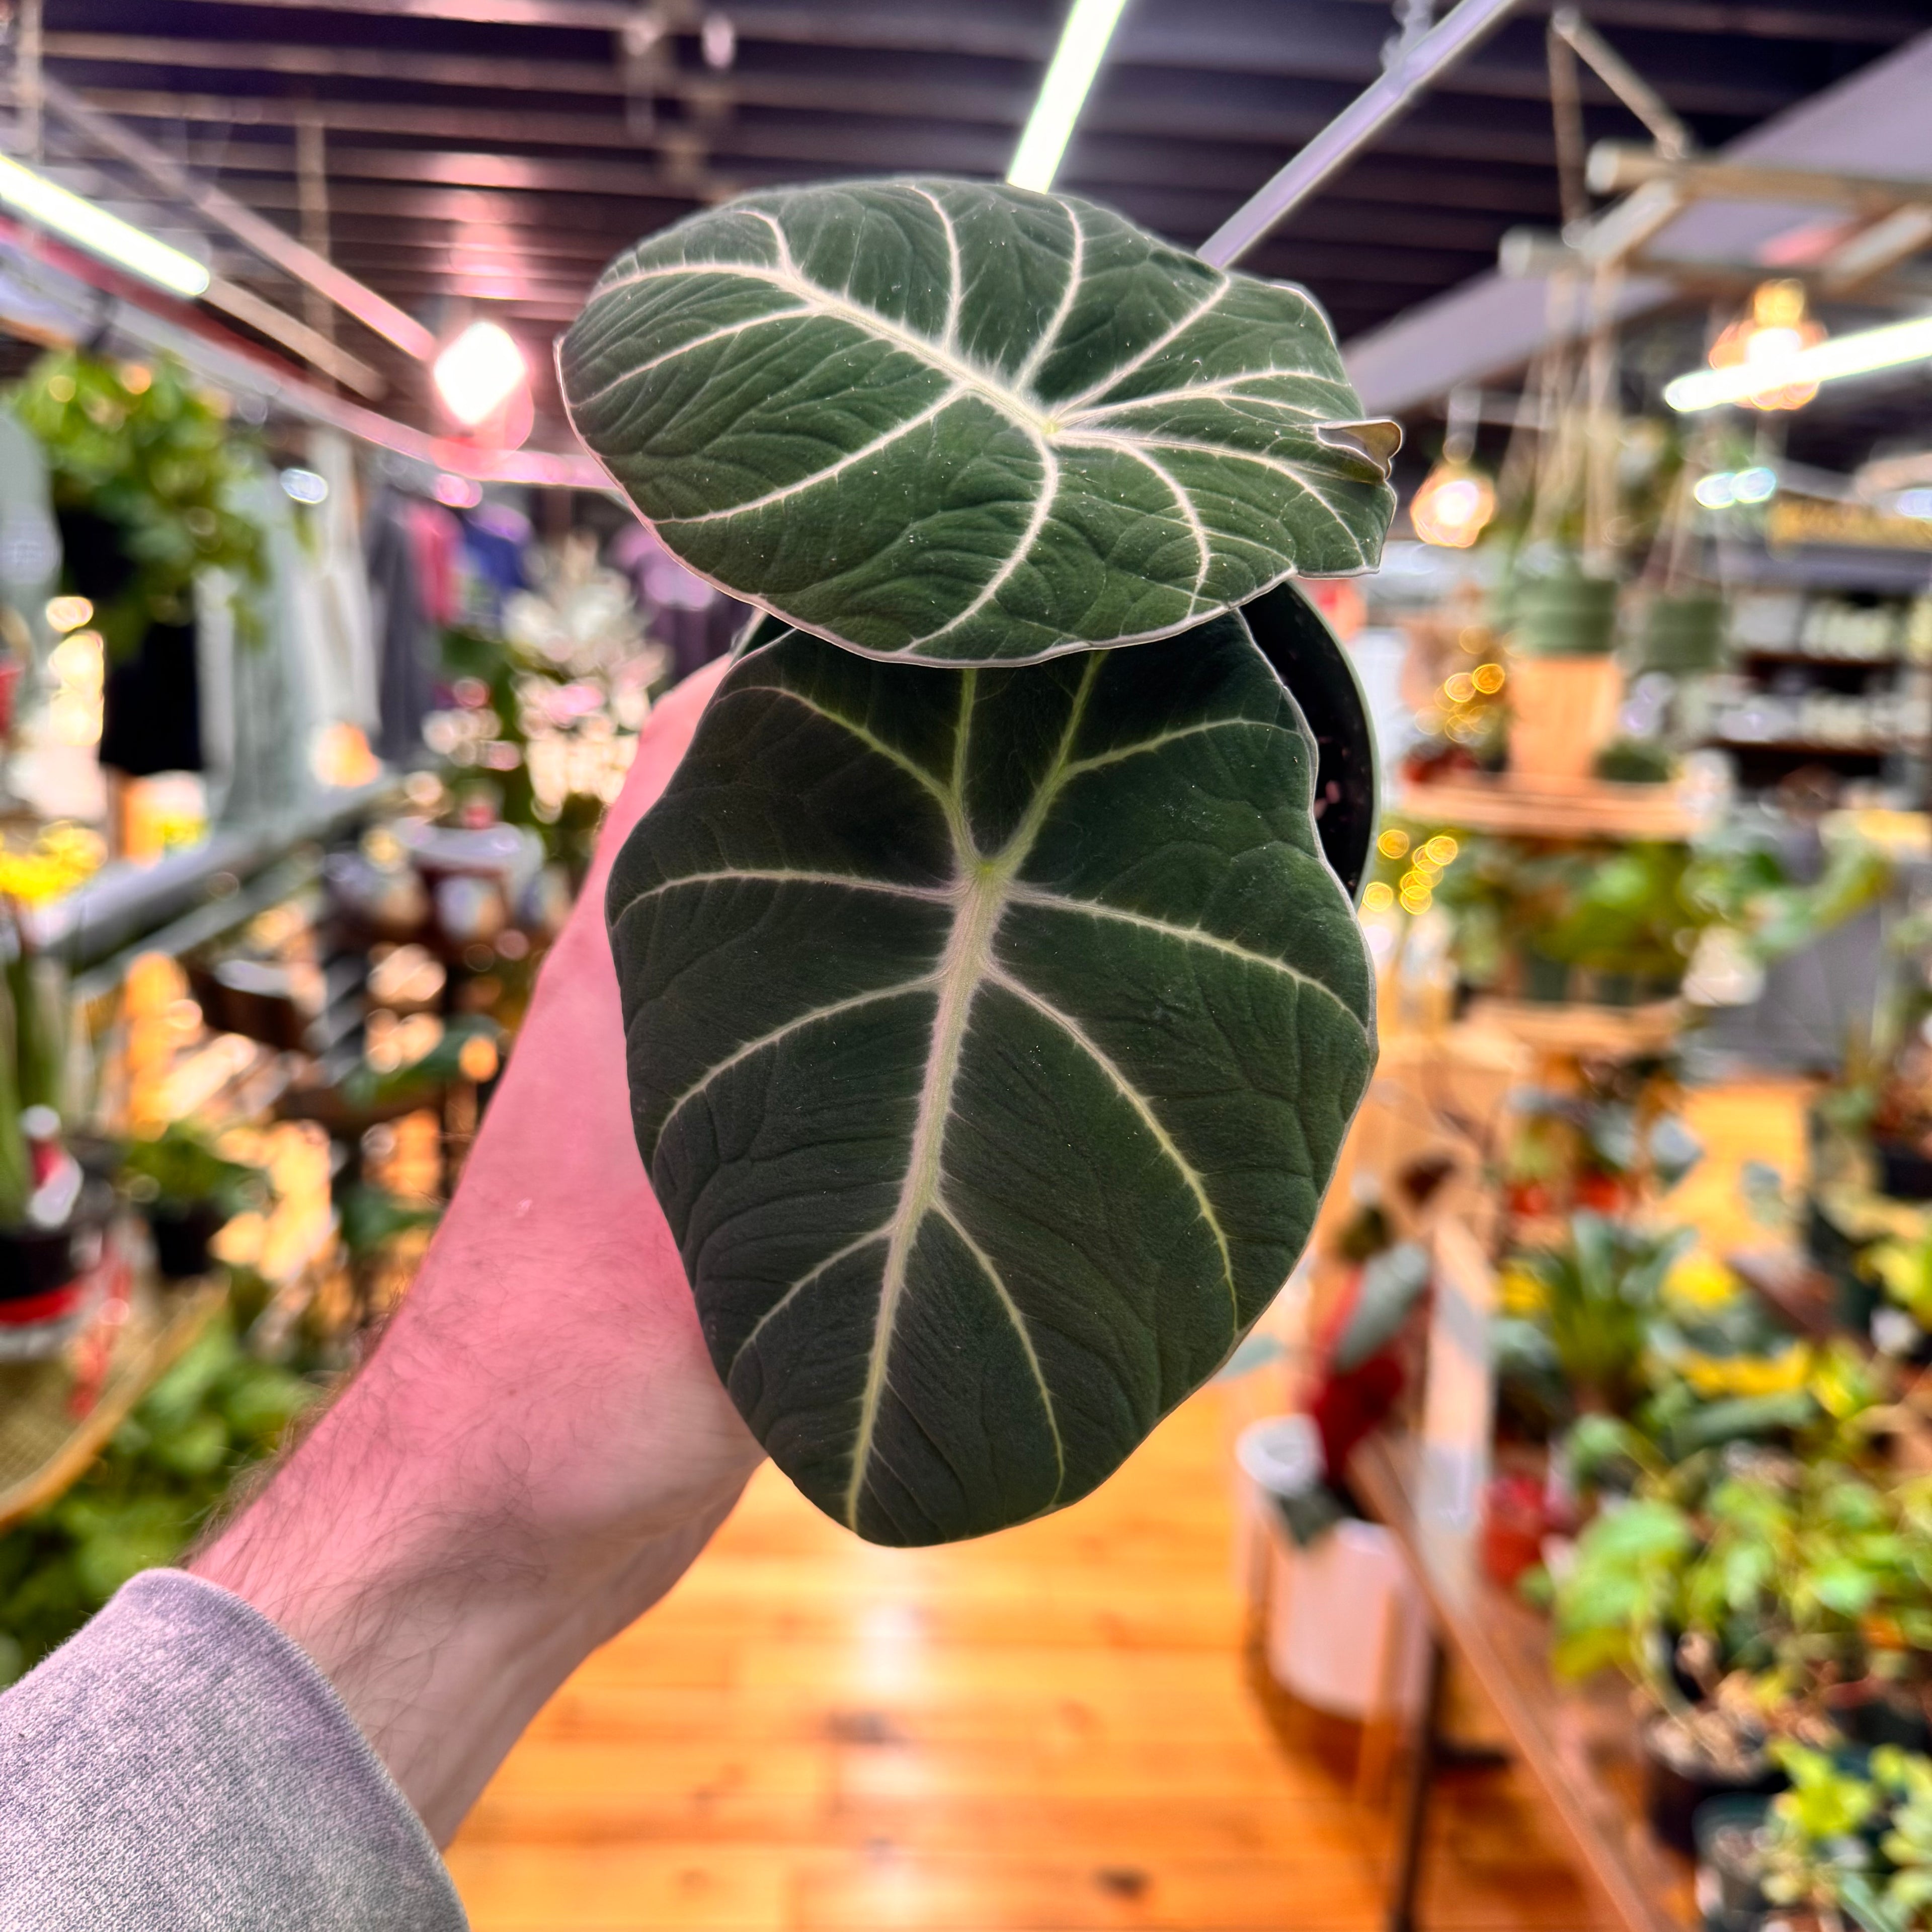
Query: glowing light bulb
(479, 372)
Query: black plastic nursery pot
(43, 1271)
(181, 1235)
(1904, 1170)
(1306, 657)
(1674, 1791)
(1729, 1859)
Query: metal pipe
(272, 244)
(1353, 128)
(1674, 140)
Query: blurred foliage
(142, 447)
(180, 1167)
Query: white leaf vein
(796, 1288)
(1020, 1328)
(1191, 935)
(786, 492)
(766, 1041)
(997, 976)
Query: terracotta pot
(1563, 711)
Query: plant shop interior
(1549, 1541)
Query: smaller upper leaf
(953, 423)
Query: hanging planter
(1684, 633)
(994, 1002)
(1569, 613)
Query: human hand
(540, 1445)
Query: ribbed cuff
(181, 1762)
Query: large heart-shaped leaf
(991, 1036)
(961, 424)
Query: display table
(52, 1423)
(1579, 1743)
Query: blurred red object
(1513, 1527)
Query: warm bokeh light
(1453, 506)
(1774, 331)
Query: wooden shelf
(1800, 748)
(1748, 654)
(1592, 808)
(1580, 1744)
(1592, 1032)
(44, 1445)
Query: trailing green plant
(994, 1016)
(1766, 1579)
(1638, 908)
(1851, 1837)
(217, 1411)
(155, 456)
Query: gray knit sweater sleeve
(181, 1764)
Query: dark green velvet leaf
(991, 1036)
(957, 423)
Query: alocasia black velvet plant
(994, 1015)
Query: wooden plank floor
(1054, 1728)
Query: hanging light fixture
(1062, 93)
(1456, 501)
(99, 233)
(479, 371)
(1777, 330)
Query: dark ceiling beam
(986, 31)
(472, 207)
(1523, 189)
(1316, 54)
(1177, 211)
(1459, 132)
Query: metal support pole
(28, 72)
(1353, 128)
(1415, 1804)
(312, 192)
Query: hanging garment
(261, 731)
(30, 547)
(407, 652)
(494, 539)
(436, 537)
(151, 702)
(340, 575)
(150, 706)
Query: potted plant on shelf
(1584, 1309)
(53, 1211)
(188, 1191)
(995, 1010)
(1754, 1593)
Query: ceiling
(490, 155)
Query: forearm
(539, 1445)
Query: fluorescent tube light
(99, 233)
(1859, 354)
(1083, 42)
